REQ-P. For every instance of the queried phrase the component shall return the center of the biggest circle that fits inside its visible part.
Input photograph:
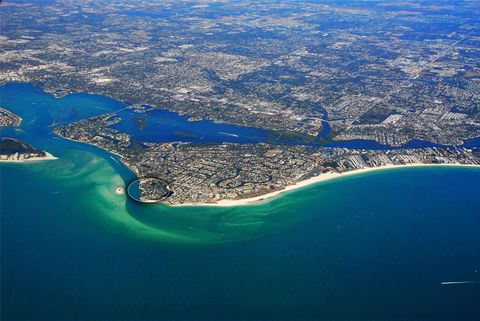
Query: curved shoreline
(256, 200)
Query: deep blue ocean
(369, 247)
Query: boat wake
(459, 282)
(229, 134)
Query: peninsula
(229, 173)
(306, 74)
(8, 118)
(15, 151)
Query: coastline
(228, 202)
(256, 200)
(47, 156)
(121, 160)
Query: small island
(15, 151)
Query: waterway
(368, 247)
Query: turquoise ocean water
(368, 247)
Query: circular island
(149, 190)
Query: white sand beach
(317, 179)
(47, 156)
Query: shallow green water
(369, 247)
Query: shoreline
(120, 160)
(256, 200)
(47, 157)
